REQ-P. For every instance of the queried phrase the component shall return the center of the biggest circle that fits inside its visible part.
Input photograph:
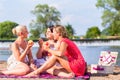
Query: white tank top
(12, 59)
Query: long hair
(61, 29)
(51, 28)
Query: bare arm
(30, 57)
(60, 51)
(19, 56)
(40, 49)
(39, 53)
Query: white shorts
(13, 65)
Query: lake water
(90, 53)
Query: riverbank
(115, 76)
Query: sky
(81, 14)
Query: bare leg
(61, 72)
(19, 70)
(52, 69)
(50, 63)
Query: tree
(35, 32)
(93, 32)
(105, 31)
(70, 31)
(45, 16)
(6, 29)
(111, 15)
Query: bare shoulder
(64, 43)
(14, 46)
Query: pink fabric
(45, 76)
(98, 68)
(75, 58)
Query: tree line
(48, 16)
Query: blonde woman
(21, 58)
(68, 55)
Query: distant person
(67, 54)
(21, 60)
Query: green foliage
(76, 37)
(70, 31)
(35, 32)
(45, 16)
(105, 32)
(111, 15)
(6, 29)
(93, 32)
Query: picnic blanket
(47, 76)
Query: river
(91, 53)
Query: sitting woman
(43, 55)
(21, 58)
(67, 54)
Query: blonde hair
(18, 29)
(61, 29)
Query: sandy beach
(114, 76)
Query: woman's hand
(30, 44)
(40, 42)
(46, 46)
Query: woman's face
(55, 34)
(49, 34)
(25, 33)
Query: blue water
(90, 53)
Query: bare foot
(2, 72)
(69, 75)
(32, 74)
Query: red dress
(75, 58)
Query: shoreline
(114, 76)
